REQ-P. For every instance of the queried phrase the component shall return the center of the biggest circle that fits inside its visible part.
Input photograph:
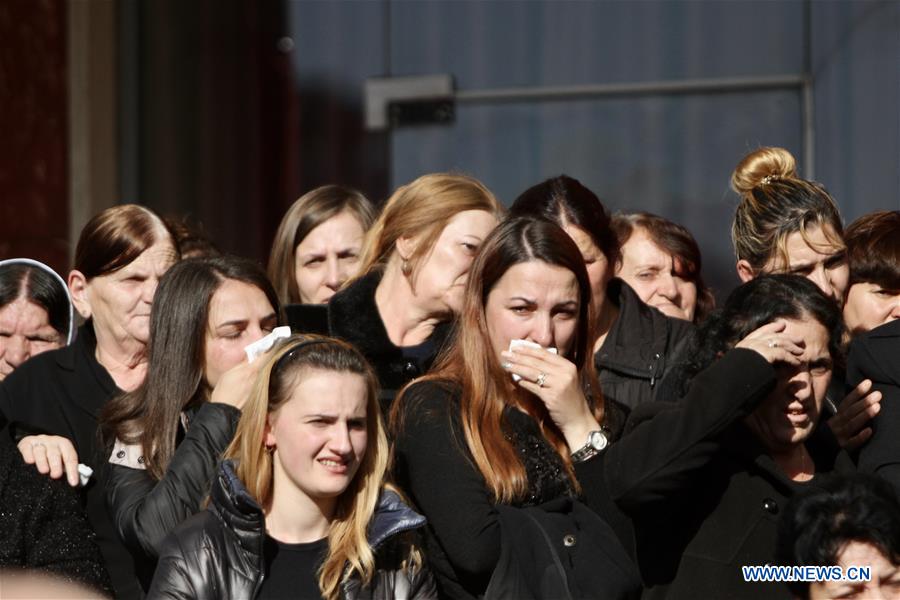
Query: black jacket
(218, 552)
(641, 347)
(352, 315)
(694, 545)
(61, 392)
(43, 524)
(655, 460)
(145, 511)
(876, 356)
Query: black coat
(694, 544)
(642, 347)
(876, 356)
(352, 316)
(218, 552)
(656, 459)
(43, 524)
(61, 392)
(145, 511)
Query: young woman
(165, 438)
(726, 517)
(661, 262)
(492, 431)
(634, 346)
(299, 508)
(318, 244)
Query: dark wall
(34, 216)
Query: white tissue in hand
(513, 344)
(84, 473)
(263, 345)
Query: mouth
(336, 466)
(797, 416)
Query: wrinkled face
(789, 414)
(820, 261)
(320, 434)
(120, 301)
(239, 314)
(533, 301)
(25, 331)
(657, 277)
(868, 305)
(884, 583)
(327, 257)
(596, 263)
(441, 277)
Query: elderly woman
(413, 271)
(121, 254)
(318, 244)
(36, 312)
(661, 262)
(502, 434)
(166, 437)
(695, 544)
(635, 346)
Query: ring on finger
(36, 444)
(773, 343)
(540, 379)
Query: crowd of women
(474, 401)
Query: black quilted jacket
(218, 553)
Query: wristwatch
(596, 442)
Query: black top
(462, 537)
(61, 392)
(43, 524)
(352, 315)
(291, 569)
(642, 347)
(876, 356)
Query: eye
(836, 261)
(565, 314)
(357, 424)
(819, 370)
(646, 275)
(470, 247)
(520, 309)
(315, 260)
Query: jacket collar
(636, 343)
(243, 514)
(353, 315)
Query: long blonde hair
(775, 203)
(348, 546)
(423, 208)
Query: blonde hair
(423, 208)
(348, 546)
(308, 212)
(775, 203)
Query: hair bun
(764, 163)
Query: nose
(895, 310)
(18, 350)
(340, 439)
(334, 275)
(666, 286)
(542, 330)
(822, 279)
(801, 384)
(148, 289)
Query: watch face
(597, 440)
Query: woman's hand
(771, 342)
(236, 383)
(51, 454)
(850, 423)
(555, 381)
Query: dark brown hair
(675, 240)
(566, 201)
(873, 249)
(179, 319)
(116, 237)
(308, 212)
(471, 361)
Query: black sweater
(653, 461)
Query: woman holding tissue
(166, 436)
(485, 456)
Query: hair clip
(768, 179)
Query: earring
(270, 449)
(405, 268)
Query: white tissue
(513, 344)
(263, 345)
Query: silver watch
(596, 442)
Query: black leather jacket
(218, 553)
